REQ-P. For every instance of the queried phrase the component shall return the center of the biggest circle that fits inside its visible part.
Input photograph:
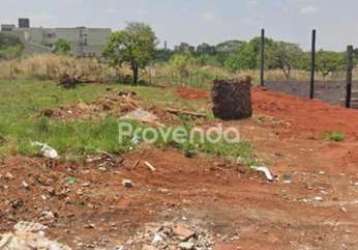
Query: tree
(205, 49)
(229, 46)
(284, 56)
(244, 58)
(62, 46)
(134, 45)
(184, 48)
(181, 63)
(162, 55)
(328, 62)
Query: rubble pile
(171, 236)
(29, 236)
(111, 104)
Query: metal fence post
(262, 64)
(349, 75)
(313, 65)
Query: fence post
(349, 75)
(262, 64)
(313, 64)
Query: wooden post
(313, 64)
(349, 75)
(262, 64)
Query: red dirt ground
(305, 115)
(192, 93)
(286, 132)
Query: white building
(84, 41)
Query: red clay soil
(312, 117)
(304, 115)
(192, 93)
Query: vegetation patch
(335, 136)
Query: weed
(335, 136)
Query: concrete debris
(29, 236)
(25, 226)
(47, 216)
(46, 151)
(29, 241)
(141, 115)
(183, 232)
(9, 176)
(186, 245)
(171, 236)
(266, 171)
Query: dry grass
(196, 75)
(51, 67)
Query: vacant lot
(312, 204)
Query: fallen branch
(183, 112)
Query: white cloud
(307, 10)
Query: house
(84, 41)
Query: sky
(197, 21)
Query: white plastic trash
(46, 150)
(266, 171)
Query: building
(84, 41)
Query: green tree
(229, 46)
(243, 59)
(134, 45)
(284, 56)
(328, 62)
(181, 63)
(62, 46)
(162, 55)
(184, 48)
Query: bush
(62, 47)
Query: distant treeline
(236, 55)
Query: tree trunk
(135, 71)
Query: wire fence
(325, 75)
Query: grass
(21, 103)
(51, 67)
(23, 99)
